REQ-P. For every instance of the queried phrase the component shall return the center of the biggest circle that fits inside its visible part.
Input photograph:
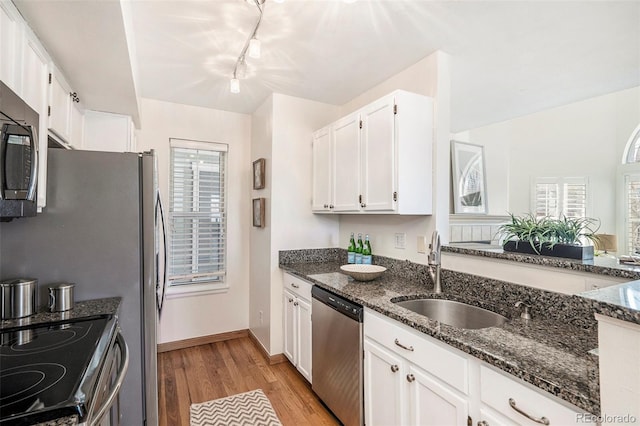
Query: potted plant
(563, 237)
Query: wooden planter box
(558, 250)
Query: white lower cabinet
(297, 323)
(413, 379)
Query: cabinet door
(383, 386)
(289, 327)
(35, 84)
(60, 104)
(76, 125)
(346, 164)
(378, 145)
(433, 403)
(321, 179)
(303, 314)
(10, 40)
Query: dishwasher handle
(122, 372)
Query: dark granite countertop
(550, 352)
(81, 309)
(598, 265)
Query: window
(629, 178)
(560, 196)
(197, 213)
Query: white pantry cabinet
(411, 378)
(380, 159)
(297, 323)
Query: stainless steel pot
(61, 297)
(18, 298)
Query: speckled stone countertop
(550, 352)
(620, 301)
(81, 309)
(88, 308)
(598, 265)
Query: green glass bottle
(359, 248)
(351, 250)
(366, 251)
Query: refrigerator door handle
(162, 286)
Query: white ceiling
(509, 58)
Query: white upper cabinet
(105, 131)
(60, 104)
(379, 165)
(381, 158)
(11, 33)
(35, 74)
(346, 164)
(321, 197)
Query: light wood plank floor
(206, 372)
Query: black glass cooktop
(42, 366)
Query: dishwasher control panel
(340, 304)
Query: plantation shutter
(546, 199)
(197, 248)
(555, 197)
(632, 225)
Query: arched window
(629, 227)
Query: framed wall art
(469, 182)
(258, 212)
(258, 173)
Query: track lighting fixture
(251, 48)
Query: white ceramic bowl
(363, 272)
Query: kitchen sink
(453, 313)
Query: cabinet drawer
(420, 349)
(496, 390)
(297, 286)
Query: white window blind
(559, 196)
(197, 244)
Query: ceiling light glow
(254, 48)
(234, 85)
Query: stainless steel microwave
(18, 156)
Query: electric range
(49, 371)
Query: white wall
(429, 77)
(260, 253)
(187, 317)
(585, 138)
(282, 128)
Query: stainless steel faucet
(434, 261)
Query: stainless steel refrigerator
(101, 230)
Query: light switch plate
(422, 244)
(401, 239)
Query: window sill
(190, 290)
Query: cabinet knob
(295, 303)
(394, 368)
(330, 206)
(326, 206)
(483, 423)
(290, 300)
(411, 378)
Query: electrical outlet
(401, 239)
(260, 317)
(422, 244)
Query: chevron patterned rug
(244, 409)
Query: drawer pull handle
(541, 420)
(394, 368)
(409, 348)
(294, 285)
(411, 378)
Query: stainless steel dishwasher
(337, 355)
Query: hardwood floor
(206, 372)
